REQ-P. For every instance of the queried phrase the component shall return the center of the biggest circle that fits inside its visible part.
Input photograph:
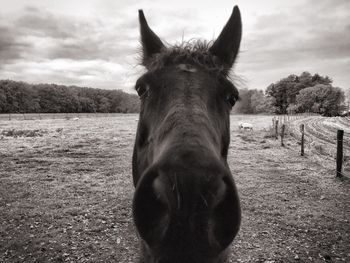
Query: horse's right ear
(151, 43)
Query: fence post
(302, 139)
(282, 134)
(340, 135)
(276, 129)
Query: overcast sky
(95, 42)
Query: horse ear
(151, 43)
(226, 46)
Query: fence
(328, 141)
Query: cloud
(11, 47)
(306, 37)
(33, 44)
(68, 71)
(97, 45)
(67, 37)
(43, 24)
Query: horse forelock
(195, 52)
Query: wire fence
(318, 136)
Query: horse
(185, 206)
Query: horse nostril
(225, 216)
(150, 208)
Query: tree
(321, 98)
(51, 98)
(3, 100)
(347, 99)
(104, 105)
(286, 89)
(253, 102)
(9, 89)
(261, 103)
(244, 104)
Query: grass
(66, 196)
(23, 133)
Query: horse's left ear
(226, 46)
(151, 43)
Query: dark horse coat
(185, 208)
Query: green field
(66, 192)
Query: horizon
(95, 44)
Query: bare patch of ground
(65, 196)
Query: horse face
(185, 207)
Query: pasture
(66, 192)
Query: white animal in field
(245, 126)
(75, 119)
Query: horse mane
(194, 52)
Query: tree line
(295, 94)
(21, 97)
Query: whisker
(205, 201)
(177, 194)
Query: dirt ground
(66, 191)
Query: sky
(95, 43)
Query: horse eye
(231, 99)
(142, 90)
